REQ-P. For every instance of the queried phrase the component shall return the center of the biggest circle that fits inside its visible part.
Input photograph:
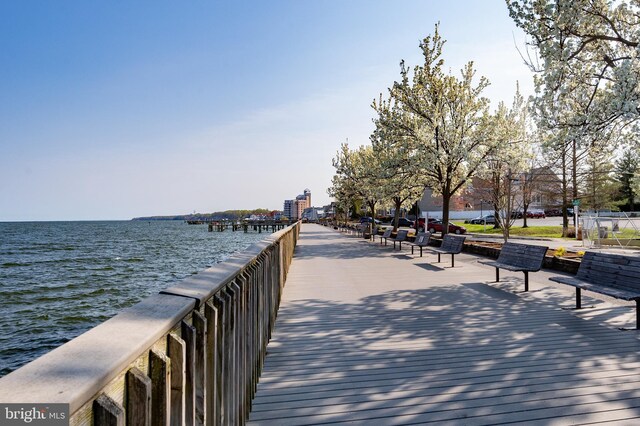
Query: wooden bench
(451, 244)
(399, 238)
(422, 240)
(385, 235)
(519, 258)
(614, 275)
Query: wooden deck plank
(369, 337)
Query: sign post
(576, 207)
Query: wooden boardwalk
(370, 336)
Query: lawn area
(531, 231)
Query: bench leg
(400, 246)
(497, 275)
(411, 249)
(438, 257)
(637, 313)
(452, 260)
(526, 280)
(420, 251)
(578, 298)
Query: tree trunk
(565, 220)
(446, 200)
(574, 171)
(398, 204)
(507, 215)
(372, 206)
(497, 193)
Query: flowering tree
(399, 180)
(436, 123)
(588, 48)
(506, 164)
(358, 176)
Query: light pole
(484, 219)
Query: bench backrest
(452, 243)
(422, 239)
(387, 233)
(526, 256)
(611, 270)
(401, 235)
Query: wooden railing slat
(106, 412)
(138, 398)
(160, 373)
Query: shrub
(560, 251)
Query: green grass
(518, 231)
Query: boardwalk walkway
(370, 336)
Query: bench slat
(596, 288)
(615, 275)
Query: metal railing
(191, 354)
(617, 229)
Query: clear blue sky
(111, 110)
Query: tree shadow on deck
(470, 354)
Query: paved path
(370, 336)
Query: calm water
(59, 279)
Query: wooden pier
(246, 226)
(368, 335)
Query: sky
(114, 110)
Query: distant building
(294, 209)
(288, 208)
(544, 189)
(307, 196)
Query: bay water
(59, 279)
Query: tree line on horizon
(436, 130)
(223, 215)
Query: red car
(436, 226)
(536, 214)
(421, 221)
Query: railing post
(216, 315)
(106, 412)
(188, 333)
(138, 398)
(160, 373)
(200, 325)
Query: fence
(619, 229)
(191, 354)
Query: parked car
(553, 212)
(487, 219)
(436, 226)
(536, 214)
(421, 221)
(403, 221)
(368, 219)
